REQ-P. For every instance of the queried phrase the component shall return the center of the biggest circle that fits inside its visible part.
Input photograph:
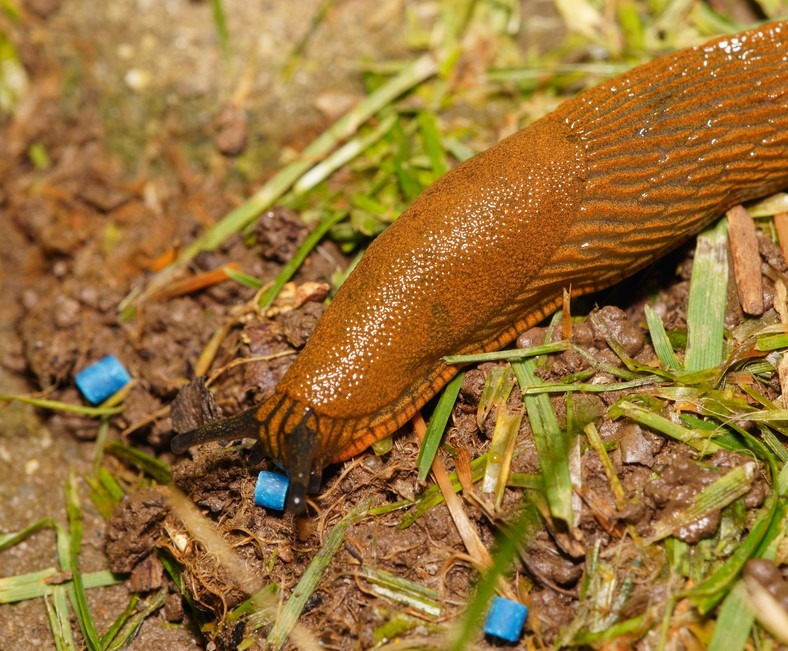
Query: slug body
(592, 192)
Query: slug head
(286, 432)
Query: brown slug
(608, 182)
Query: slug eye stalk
(240, 426)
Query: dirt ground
(150, 135)
(127, 101)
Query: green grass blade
(615, 371)
(694, 438)
(497, 387)
(550, 387)
(660, 340)
(133, 625)
(241, 278)
(63, 546)
(632, 628)
(536, 72)
(707, 296)
(294, 58)
(292, 265)
(173, 569)
(607, 464)
(402, 591)
(458, 149)
(74, 512)
(496, 474)
(344, 155)
(395, 625)
(77, 589)
(715, 496)
(551, 444)
(430, 135)
(220, 22)
(770, 205)
(414, 74)
(769, 415)
(255, 608)
(157, 469)
(25, 586)
(59, 619)
(120, 620)
(519, 353)
(632, 364)
(110, 484)
(775, 445)
(56, 405)
(772, 342)
(453, 20)
(402, 164)
(521, 480)
(100, 579)
(311, 577)
(432, 496)
(101, 499)
(707, 594)
(10, 539)
(101, 441)
(734, 621)
(437, 425)
(34, 585)
(509, 541)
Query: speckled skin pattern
(592, 192)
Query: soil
(138, 168)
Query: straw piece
(467, 531)
(781, 223)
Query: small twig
(247, 360)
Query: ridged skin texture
(611, 180)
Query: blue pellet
(506, 619)
(270, 490)
(99, 381)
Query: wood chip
(463, 467)
(746, 260)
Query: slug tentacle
(240, 426)
(589, 194)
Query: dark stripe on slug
(334, 433)
(282, 428)
(680, 85)
(302, 437)
(587, 195)
(692, 158)
(266, 414)
(302, 447)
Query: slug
(589, 194)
